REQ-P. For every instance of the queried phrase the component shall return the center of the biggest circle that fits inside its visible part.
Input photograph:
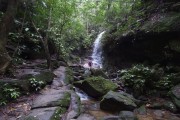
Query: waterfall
(97, 52)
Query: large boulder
(175, 95)
(96, 86)
(117, 101)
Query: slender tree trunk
(46, 47)
(5, 27)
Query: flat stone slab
(48, 100)
(41, 114)
(49, 91)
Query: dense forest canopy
(68, 25)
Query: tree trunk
(5, 28)
(46, 47)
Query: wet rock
(75, 107)
(96, 86)
(85, 117)
(114, 101)
(175, 95)
(127, 115)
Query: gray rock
(176, 91)
(127, 115)
(40, 114)
(114, 101)
(96, 86)
(75, 107)
(47, 101)
(175, 95)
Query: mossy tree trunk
(5, 27)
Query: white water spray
(97, 52)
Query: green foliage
(35, 84)
(166, 82)
(142, 78)
(65, 28)
(8, 93)
(138, 77)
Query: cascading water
(97, 52)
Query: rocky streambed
(76, 93)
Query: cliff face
(154, 36)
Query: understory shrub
(7, 93)
(144, 79)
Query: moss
(58, 113)
(101, 84)
(64, 104)
(66, 100)
(68, 76)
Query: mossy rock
(68, 76)
(115, 101)
(96, 86)
(64, 104)
(58, 113)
